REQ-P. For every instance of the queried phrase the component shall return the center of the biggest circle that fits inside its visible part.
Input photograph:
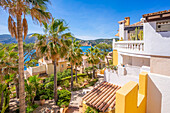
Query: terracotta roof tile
(117, 34)
(156, 13)
(122, 21)
(102, 97)
(137, 24)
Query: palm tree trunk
(55, 83)
(76, 75)
(21, 67)
(2, 100)
(1, 81)
(17, 90)
(93, 72)
(71, 76)
(107, 60)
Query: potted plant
(42, 99)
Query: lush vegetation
(91, 110)
(56, 42)
(94, 57)
(64, 98)
(104, 50)
(138, 35)
(75, 58)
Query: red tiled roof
(102, 97)
(156, 13)
(137, 24)
(122, 21)
(117, 34)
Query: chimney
(127, 19)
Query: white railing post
(129, 45)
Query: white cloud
(91, 37)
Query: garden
(39, 90)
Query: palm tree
(54, 44)
(74, 55)
(18, 9)
(78, 56)
(105, 48)
(8, 67)
(93, 58)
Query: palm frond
(25, 27)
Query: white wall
(156, 43)
(158, 94)
(117, 79)
(121, 31)
(126, 35)
(36, 70)
(120, 59)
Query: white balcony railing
(129, 45)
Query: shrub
(50, 85)
(91, 110)
(93, 82)
(69, 77)
(64, 97)
(30, 108)
(66, 83)
(43, 97)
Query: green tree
(31, 87)
(94, 56)
(8, 66)
(18, 9)
(75, 58)
(104, 49)
(54, 44)
(136, 33)
(140, 35)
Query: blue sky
(93, 19)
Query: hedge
(69, 77)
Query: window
(163, 26)
(62, 65)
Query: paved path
(13, 105)
(76, 97)
(49, 104)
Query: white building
(152, 54)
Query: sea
(84, 48)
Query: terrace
(129, 46)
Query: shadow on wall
(165, 34)
(154, 98)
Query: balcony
(129, 46)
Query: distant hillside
(7, 39)
(97, 41)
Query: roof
(140, 23)
(156, 13)
(156, 16)
(117, 34)
(102, 97)
(122, 21)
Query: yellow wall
(131, 100)
(60, 64)
(115, 57)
